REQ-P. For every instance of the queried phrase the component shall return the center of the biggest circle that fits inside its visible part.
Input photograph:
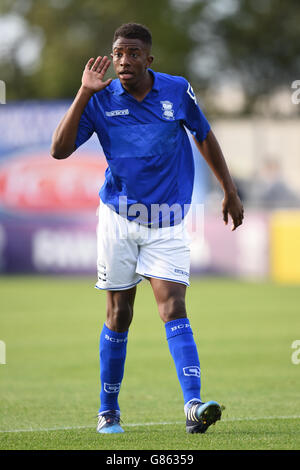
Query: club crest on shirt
(168, 111)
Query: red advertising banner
(48, 207)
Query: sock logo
(192, 371)
(115, 340)
(179, 327)
(112, 388)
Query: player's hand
(232, 205)
(93, 74)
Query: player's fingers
(96, 64)
(89, 63)
(107, 82)
(225, 216)
(100, 64)
(237, 222)
(105, 66)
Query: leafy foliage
(253, 42)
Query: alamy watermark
(2, 92)
(296, 94)
(2, 352)
(169, 221)
(295, 358)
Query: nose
(125, 60)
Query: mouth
(125, 75)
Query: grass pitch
(49, 387)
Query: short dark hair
(134, 31)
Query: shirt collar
(155, 86)
(119, 90)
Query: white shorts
(129, 252)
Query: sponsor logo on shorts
(117, 112)
(112, 388)
(115, 340)
(192, 371)
(179, 271)
(102, 272)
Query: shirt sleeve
(86, 126)
(194, 118)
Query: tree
(251, 42)
(261, 39)
(75, 30)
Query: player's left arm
(212, 153)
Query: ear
(150, 59)
(111, 55)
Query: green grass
(244, 333)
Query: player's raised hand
(93, 74)
(232, 205)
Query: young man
(139, 119)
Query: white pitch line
(68, 428)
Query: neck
(141, 89)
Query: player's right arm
(64, 136)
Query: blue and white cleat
(200, 416)
(109, 422)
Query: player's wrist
(230, 191)
(85, 91)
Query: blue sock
(113, 347)
(185, 355)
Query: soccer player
(140, 120)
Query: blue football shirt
(149, 155)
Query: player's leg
(119, 311)
(113, 346)
(165, 259)
(117, 255)
(170, 298)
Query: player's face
(131, 57)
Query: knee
(172, 309)
(119, 317)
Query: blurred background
(242, 58)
